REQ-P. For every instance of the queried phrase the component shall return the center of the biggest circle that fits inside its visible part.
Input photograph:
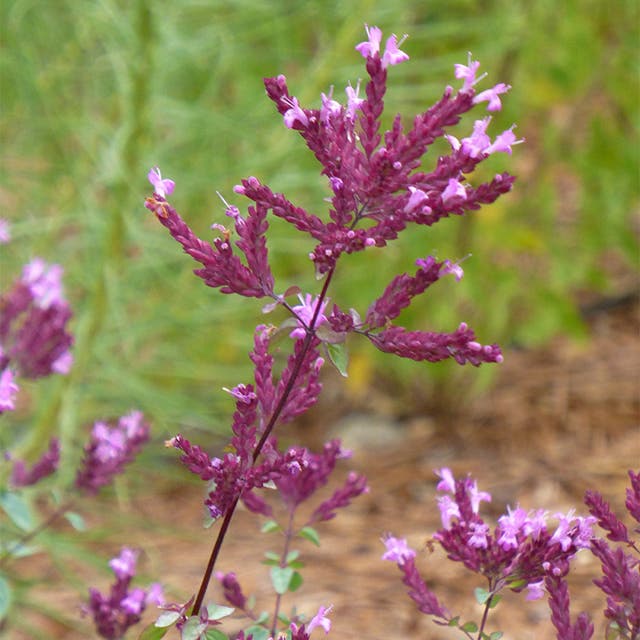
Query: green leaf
(76, 520)
(215, 634)
(469, 627)
(482, 595)
(167, 618)
(309, 533)
(258, 633)
(152, 632)
(271, 557)
(454, 621)
(17, 509)
(5, 597)
(269, 526)
(193, 629)
(291, 556)
(280, 578)
(296, 581)
(496, 635)
(494, 601)
(218, 611)
(338, 356)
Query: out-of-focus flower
(114, 613)
(110, 449)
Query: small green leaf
(193, 629)
(167, 618)
(258, 633)
(269, 526)
(291, 556)
(469, 627)
(482, 595)
(76, 520)
(454, 621)
(496, 635)
(215, 634)
(17, 509)
(296, 581)
(338, 356)
(218, 611)
(5, 597)
(494, 601)
(271, 557)
(152, 632)
(309, 533)
(280, 578)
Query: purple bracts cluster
(114, 613)
(45, 466)
(110, 449)
(378, 189)
(520, 551)
(34, 340)
(620, 580)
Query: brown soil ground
(559, 420)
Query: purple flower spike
(114, 613)
(110, 449)
(45, 466)
(34, 314)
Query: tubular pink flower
(305, 312)
(369, 48)
(492, 96)
(294, 114)
(5, 231)
(467, 73)
(162, 187)
(397, 550)
(454, 192)
(393, 55)
(8, 390)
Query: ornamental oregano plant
(378, 188)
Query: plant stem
(8, 554)
(283, 563)
(310, 333)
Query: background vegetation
(95, 93)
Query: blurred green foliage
(95, 93)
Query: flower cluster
(620, 580)
(521, 552)
(109, 449)
(114, 613)
(34, 339)
(378, 189)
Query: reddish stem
(310, 333)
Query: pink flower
(163, 188)
(305, 312)
(353, 101)
(397, 550)
(370, 48)
(454, 192)
(468, 73)
(320, 620)
(491, 96)
(294, 114)
(447, 481)
(5, 231)
(8, 391)
(392, 55)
